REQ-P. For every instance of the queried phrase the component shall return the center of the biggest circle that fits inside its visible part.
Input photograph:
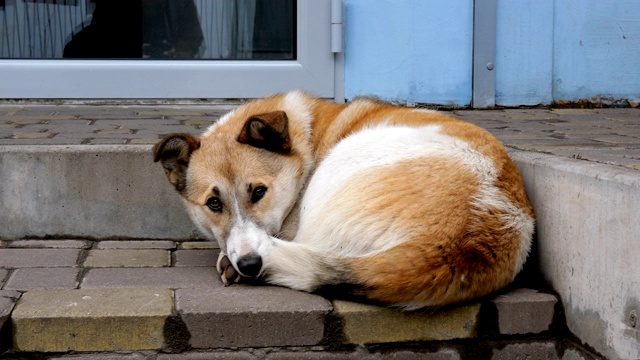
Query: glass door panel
(164, 48)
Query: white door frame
(313, 70)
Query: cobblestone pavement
(610, 136)
(158, 295)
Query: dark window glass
(148, 29)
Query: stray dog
(402, 206)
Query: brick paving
(93, 125)
(64, 299)
(610, 136)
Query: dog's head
(240, 180)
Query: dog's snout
(250, 265)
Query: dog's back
(412, 207)
(408, 207)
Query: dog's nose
(250, 265)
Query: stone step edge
(157, 325)
(122, 193)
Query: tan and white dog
(406, 207)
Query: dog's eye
(214, 204)
(258, 193)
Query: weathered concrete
(588, 226)
(367, 324)
(92, 191)
(91, 320)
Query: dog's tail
(409, 275)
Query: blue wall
(411, 51)
(596, 49)
(546, 50)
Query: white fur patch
(220, 121)
(245, 236)
(369, 148)
(297, 103)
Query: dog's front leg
(227, 273)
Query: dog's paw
(227, 273)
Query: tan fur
(433, 229)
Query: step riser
(588, 226)
(88, 192)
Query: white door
(154, 49)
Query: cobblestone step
(176, 307)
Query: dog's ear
(269, 131)
(174, 152)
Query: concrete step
(85, 173)
(142, 299)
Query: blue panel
(524, 52)
(409, 51)
(596, 49)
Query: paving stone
(91, 320)
(322, 355)
(115, 131)
(210, 355)
(98, 356)
(251, 316)
(50, 244)
(127, 258)
(198, 123)
(367, 324)
(534, 350)
(524, 311)
(151, 141)
(115, 141)
(42, 278)
(173, 278)
(33, 135)
(195, 257)
(194, 245)
(444, 354)
(17, 258)
(136, 244)
(3, 276)
(399, 354)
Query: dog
(401, 206)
